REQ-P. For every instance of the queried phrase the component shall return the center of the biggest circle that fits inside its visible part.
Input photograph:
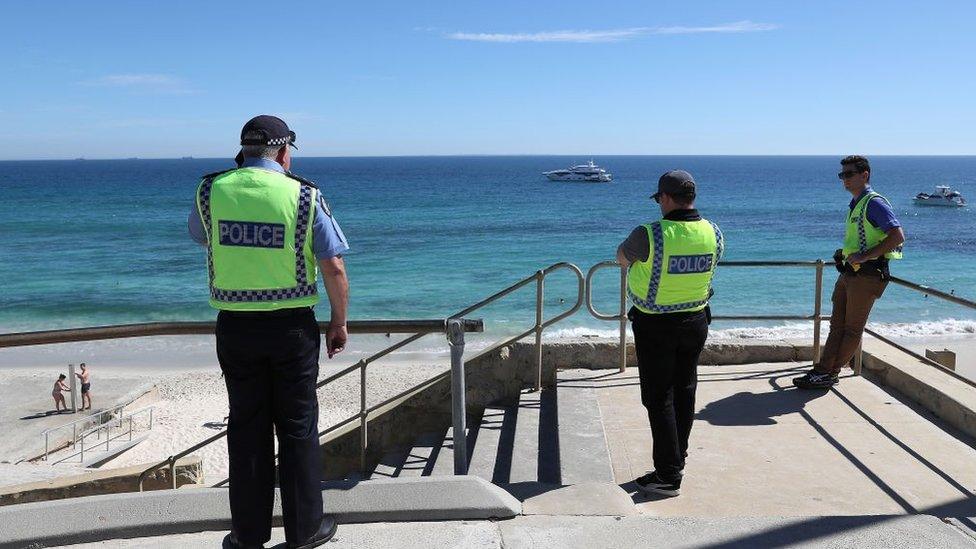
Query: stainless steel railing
(124, 424)
(621, 316)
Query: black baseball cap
(272, 129)
(675, 183)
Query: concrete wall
(189, 470)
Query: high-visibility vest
(259, 251)
(860, 235)
(677, 276)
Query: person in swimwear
(58, 396)
(85, 377)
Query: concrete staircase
(552, 437)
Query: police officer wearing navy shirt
(670, 265)
(873, 237)
(267, 233)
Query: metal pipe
(539, 300)
(455, 338)
(859, 357)
(45, 446)
(932, 291)
(363, 440)
(172, 471)
(623, 319)
(72, 388)
(817, 298)
(149, 329)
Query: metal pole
(82, 447)
(455, 337)
(623, 319)
(859, 357)
(72, 387)
(817, 296)
(172, 471)
(150, 419)
(45, 445)
(74, 435)
(363, 440)
(539, 296)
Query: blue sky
(148, 79)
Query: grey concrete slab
(497, 425)
(168, 512)
(909, 532)
(389, 465)
(525, 464)
(583, 452)
(584, 499)
(422, 456)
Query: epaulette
(302, 180)
(215, 174)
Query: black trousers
(270, 364)
(668, 347)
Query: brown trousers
(853, 297)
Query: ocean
(95, 242)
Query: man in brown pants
(872, 238)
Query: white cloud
(162, 83)
(610, 35)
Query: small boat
(583, 172)
(943, 196)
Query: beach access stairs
(96, 439)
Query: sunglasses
(847, 174)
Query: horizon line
(492, 155)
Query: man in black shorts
(85, 377)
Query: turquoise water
(102, 242)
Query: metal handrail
(621, 317)
(148, 329)
(420, 327)
(106, 426)
(95, 418)
(365, 411)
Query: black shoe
(231, 542)
(326, 530)
(814, 380)
(651, 483)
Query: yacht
(583, 172)
(943, 196)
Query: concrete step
(584, 455)
(421, 458)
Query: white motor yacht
(583, 172)
(943, 196)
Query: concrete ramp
(171, 512)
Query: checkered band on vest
(302, 288)
(657, 262)
(862, 239)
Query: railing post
(363, 439)
(623, 319)
(817, 298)
(539, 297)
(859, 357)
(172, 471)
(82, 447)
(45, 445)
(455, 337)
(74, 434)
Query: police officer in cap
(669, 282)
(267, 233)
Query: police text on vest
(255, 235)
(689, 264)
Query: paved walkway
(760, 447)
(909, 532)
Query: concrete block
(107, 517)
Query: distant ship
(186, 158)
(943, 196)
(583, 172)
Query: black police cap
(675, 183)
(273, 131)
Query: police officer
(264, 229)
(873, 237)
(669, 281)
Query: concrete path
(909, 532)
(28, 409)
(760, 447)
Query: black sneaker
(814, 380)
(651, 483)
(326, 530)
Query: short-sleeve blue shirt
(327, 238)
(879, 212)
